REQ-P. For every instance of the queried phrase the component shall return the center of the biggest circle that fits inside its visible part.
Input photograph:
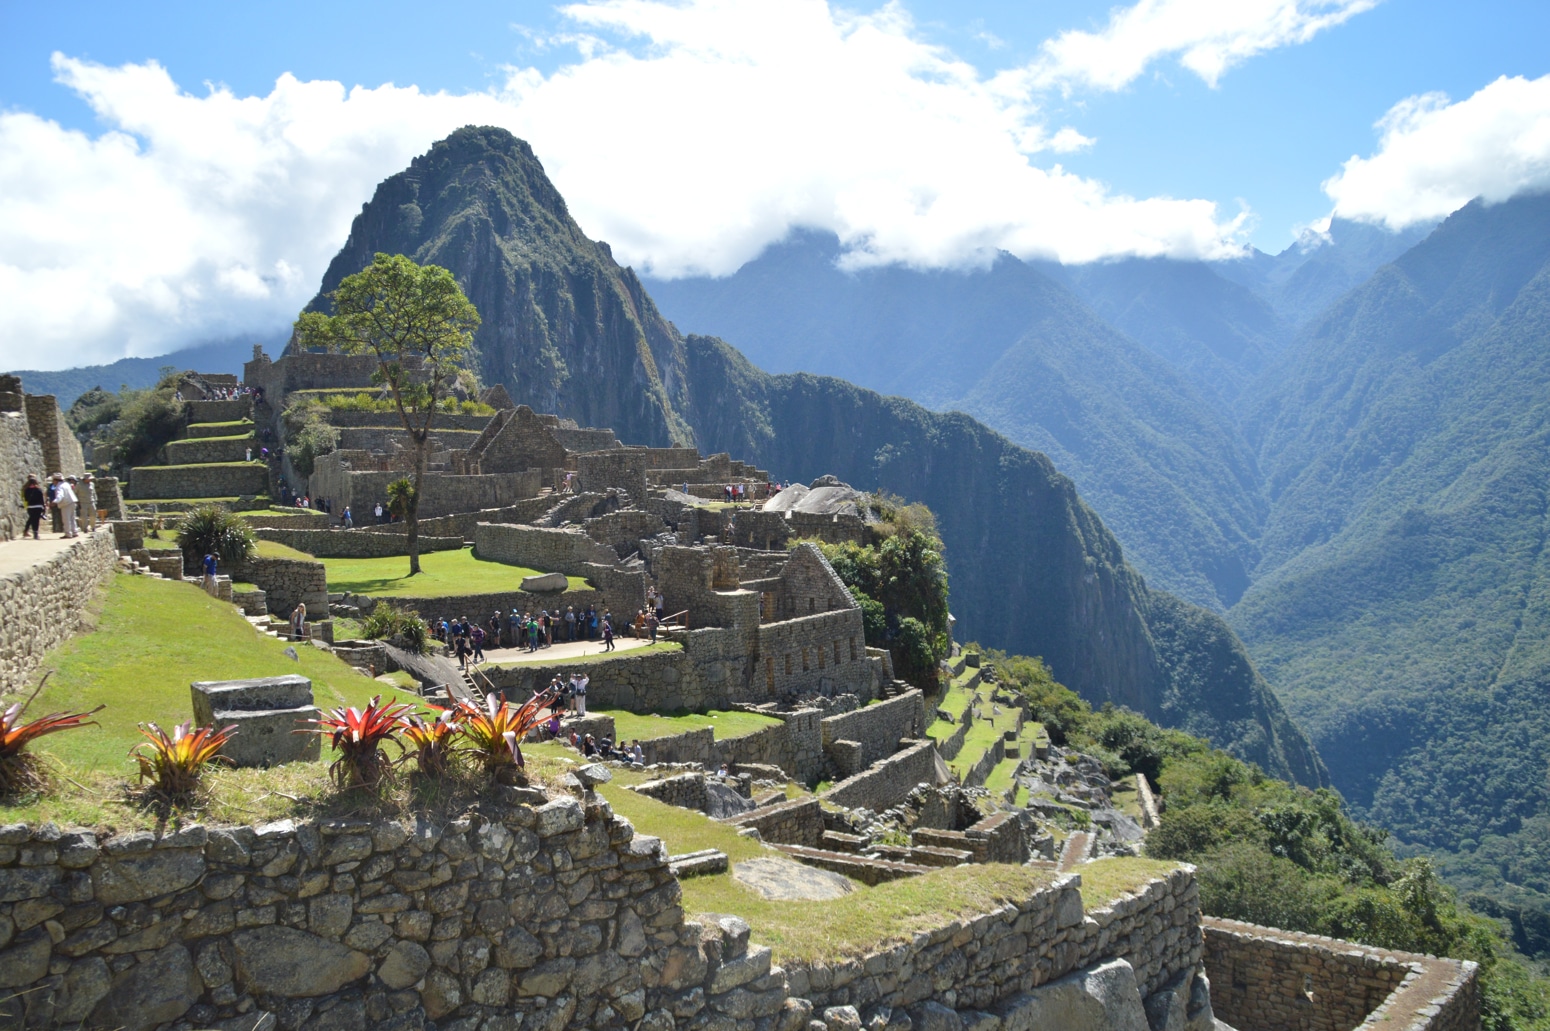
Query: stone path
(1075, 851)
(18, 555)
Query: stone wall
(243, 479)
(220, 411)
(210, 449)
(20, 454)
(480, 606)
(622, 531)
(290, 519)
(687, 790)
(41, 605)
(825, 653)
(463, 524)
(1274, 980)
(656, 682)
(542, 548)
(287, 582)
(389, 438)
(987, 961)
(798, 821)
(334, 478)
(624, 468)
(879, 727)
(46, 423)
(888, 782)
(308, 371)
(980, 771)
(794, 745)
(352, 543)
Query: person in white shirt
(66, 499)
(581, 695)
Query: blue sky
(692, 134)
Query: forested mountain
(1033, 569)
(1139, 426)
(1403, 604)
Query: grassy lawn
(629, 726)
(261, 502)
(235, 424)
(442, 574)
(274, 549)
(538, 658)
(1104, 880)
(151, 640)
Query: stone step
(698, 864)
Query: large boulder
(545, 582)
(1099, 998)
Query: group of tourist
(224, 394)
(72, 501)
(465, 638)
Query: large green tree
(419, 325)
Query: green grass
(594, 658)
(629, 726)
(1000, 779)
(191, 440)
(152, 638)
(274, 549)
(206, 465)
(442, 574)
(1104, 880)
(230, 422)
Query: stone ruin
(267, 711)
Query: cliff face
(565, 328)
(1033, 569)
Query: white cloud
(1207, 36)
(1435, 156)
(688, 135)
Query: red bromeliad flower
(432, 740)
(358, 735)
(495, 730)
(17, 770)
(176, 762)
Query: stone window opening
(788, 664)
(852, 649)
(1307, 987)
(769, 673)
(819, 650)
(812, 606)
(805, 666)
(836, 652)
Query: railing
(677, 621)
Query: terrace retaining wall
(323, 543)
(41, 605)
(888, 782)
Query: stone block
(545, 582)
(261, 693)
(1099, 998)
(269, 738)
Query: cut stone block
(545, 582)
(259, 694)
(267, 737)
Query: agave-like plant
(431, 741)
(18, 769)
(178, 760)
(493, 732)
(358, 735)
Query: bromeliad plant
(494, 731)
(431, 741)
(176, 762)
(19, 768)
(358, 735)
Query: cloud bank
(1435, 156)
(687, 135)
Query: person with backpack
(476, 635)
(210, 565)
(460, 647)
(608, 635)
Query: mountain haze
(1033, 569)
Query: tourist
(638, 628)
(581, 694)
(554, 722)
(476, 635)
(66, 499)
(651, 626)
(349, 521)
(36, 502)
(588, 746)
(210, 564)
(608, 634)
(379, 513)
(637, 754)
(250, 454)
(591, 623)
(569, 694)
(495, 629)
(722, 773)
(461, 647)
(299, 621)
(534, 638)
(570, 622)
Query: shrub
(401, 627)
(210, 529)
(494, 731)
(177, 762)
(359, 735)
(400, 493)
(18, 768)
(432, 741)
(314, 439)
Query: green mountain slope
(1404, 601)
(1017, 349)
(558, 311)
(1033, 569)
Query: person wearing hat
(87, 490)
(65, 498)
(37, 504)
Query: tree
(419, 325)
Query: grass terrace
(258, 503)
(724, 724)
(443, 574)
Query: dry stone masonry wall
(41, 606)
(323, 543)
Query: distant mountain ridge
(1033, 569)
(139, 373)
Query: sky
(172, 173)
